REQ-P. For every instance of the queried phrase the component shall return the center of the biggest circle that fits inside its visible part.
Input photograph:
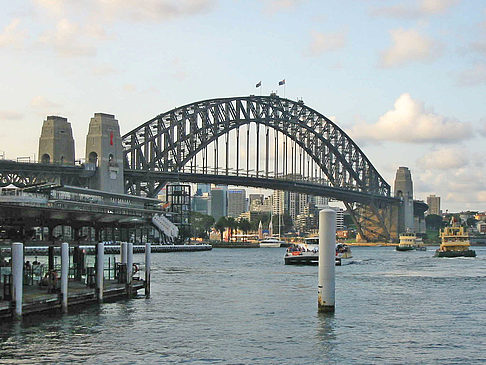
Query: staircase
(165, 226)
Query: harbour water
(244, 306)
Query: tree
(471, 221)
(201, 223)
(433, 221)
(221, 225)
(244, 225)
(232, 224)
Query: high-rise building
(201, 204)
(434, 205)
(219, 202)
(236, 202)
(278, 198)
(339, 218)
(203, 189)
(256, 197)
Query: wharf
(37, 300)
(222, 244)
(110, 249)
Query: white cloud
(408, 46)
(274, 6)
(475, 75)
(41, 102)
(421, 9)
(444, 158)
(154, 10)
(67, 40)
(10, 115)
(482, 128)
(459, 189)
(326, 42)
(409, 122)
(11, 35)
(436, 6)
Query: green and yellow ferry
(455, 242)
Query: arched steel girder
(188, 129)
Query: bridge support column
(100, 264)
(64, 275)
(18, 276)
(327, 254)
(148, 262)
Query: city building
(434, 205)
(202, 203)
(219, 202)
(339, 218)
(236, 202)
(203, 189)
(278, 199)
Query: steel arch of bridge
(169, 143)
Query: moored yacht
(271, 242)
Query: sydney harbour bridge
(257, 141)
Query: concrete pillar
(148, 262)
(129, 263)
(123, 252)
(100, 261)
(327, 258)
(50, 260)
(18, 276)
(64, 275)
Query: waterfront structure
(219, 202)
(56, 142)
(236, 202)
(434, 205)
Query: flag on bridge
(259, 83)
(280, 83)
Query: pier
(27, 288)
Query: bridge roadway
(25, 174)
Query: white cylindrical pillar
(100, 265)
(18, 276)
(123, 252)
(148, 262)
(327, 257)
(129, 262)
(64, 275)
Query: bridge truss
(264, 141)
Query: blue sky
(406, 79)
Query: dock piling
(64, 275)
(148, 261)
(327, 253)
(100, 261)
(123, 252)
(18, 276)
(129, 268)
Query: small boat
(308, 253)
(271, 242)
(455, 242)
(419, 245)
(407, 242)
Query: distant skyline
(405, 79)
